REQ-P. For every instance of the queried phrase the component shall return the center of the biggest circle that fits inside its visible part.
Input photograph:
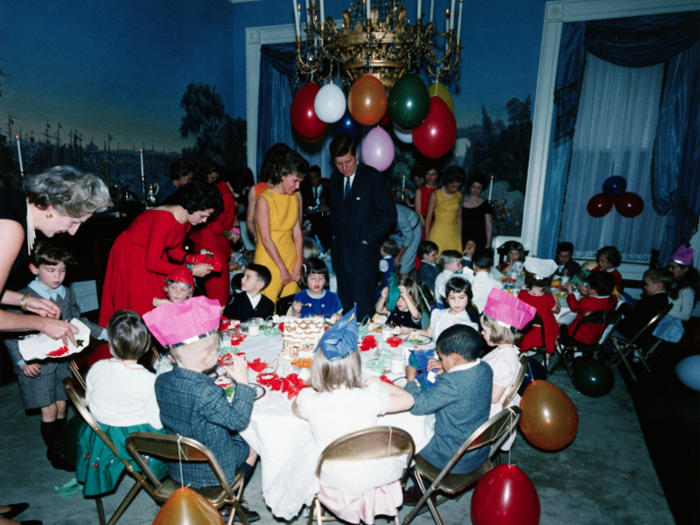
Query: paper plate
(418, 340)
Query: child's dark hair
(611, 253)
(483, 258)
(426, 247)
(316, 266)
(565, 247)
(532, 280)
(458, 285)
(127, 335)
(691, 279)
(50, 254)
(660, 275)
(263, 273)
(460, 339)
(449, 256)
(390, 247)
(515, 245)
(602, 282)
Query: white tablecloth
(276, 434)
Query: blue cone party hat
(340, 340)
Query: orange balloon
(367, 101)
(549, 419)
(186, 507)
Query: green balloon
(592, 378)
(409, 102)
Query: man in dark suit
(317, 205)
(363, 214)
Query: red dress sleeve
(156, 257)
(224, 221)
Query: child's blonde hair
(412, 288)
(192, 352)
(500, 334)
(327, 376)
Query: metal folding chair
(431, 303)
(494, 432)
(368, 444)
(76, 372)
(176, 448)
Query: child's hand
(410, 373)
(336, 317)
(31, 370)
(385, 292)
(296, 307)
(436, 364)
(159, 302)
(583, 290)
(405, 330)
(569, 288)
(403, 291)
(238, 371)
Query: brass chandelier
(376, 37)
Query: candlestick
(452, 15)
(491, 188)
(403, 183)
(459, 23)
(19, 156)
(447, 27)
(369, 11)
(432, 9)
(419, 10)
(143, 179)
(323, 13)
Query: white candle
(459, 23)
(323, 13)
(432, 9)
(447, 27)
(419, 9)
(452, 15)
(307, 14)
(491, 188)
(369, 10)
(19, 156)
(296, 18)
(403, 183)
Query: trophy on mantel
(152, 189)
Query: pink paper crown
(176, 324)
(684, 255)
(508, 310)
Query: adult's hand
(285, 276)
(296, 271)
(59, 330)
(201, 269)
(43, 307)
(31, 370)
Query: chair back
(283, 304)
(518, 381)
(650, 325)
(76, 373)
(429, 295)
(368, 444)
(172, 448)
(606, 318)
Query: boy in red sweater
(596, 295)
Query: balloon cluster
(627, 204)
(421, 115)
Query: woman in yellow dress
(446, 205)
(278, 225)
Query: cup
(397, 361)
(253, 328)
(386, 332)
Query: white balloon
(404, 135)
(330, 104)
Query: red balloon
(303, 115)
(505, 496)
(367, 100)
(385, 119)
(629, 204)
(549, 419)
(437, 134)
(600, 205)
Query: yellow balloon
(186, 507)
(441, 91)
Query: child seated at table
(406, 312)
(597, 295)
(653, 300)
(468, 255)
(460, 400)
(121, 396)
(250, 302)
(428, 270)
(459, 293)
(388, 250)
(504, 319)
(514, 259)
(191, 404)
(335, 405)
(609, 258)
(483, 283)
(179, 286)
(537, 293)
(451, 264)
(566, 266)
(317, 299)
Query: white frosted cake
(300, 337)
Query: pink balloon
(378, 149)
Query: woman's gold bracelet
(23, 302)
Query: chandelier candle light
(19, 156)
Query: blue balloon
(535, 370)
(688, 371)
(347, 126)
(614, 186)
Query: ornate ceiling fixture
(376, 37)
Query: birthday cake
(300, 337)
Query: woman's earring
(49, 215)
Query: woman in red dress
(424, 192)
(215, 236)
(143, 255)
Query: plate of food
(259, 390)
(229, 387)
(414, 338)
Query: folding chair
(176, 448)
(76, 395)
(512, 393)
(368, 444)
(624, 346)
(76, 372)
(495, 431)
(429, 296)
(539, 351)
(607, 318)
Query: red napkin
(368, 343)
(257, 365)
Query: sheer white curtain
(616, 124)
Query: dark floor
(669, 415)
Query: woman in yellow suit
(446, 204)
(278, 225)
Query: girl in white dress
(336, 404)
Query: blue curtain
(632, 42)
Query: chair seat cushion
(452, 483)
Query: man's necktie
(348, 186)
